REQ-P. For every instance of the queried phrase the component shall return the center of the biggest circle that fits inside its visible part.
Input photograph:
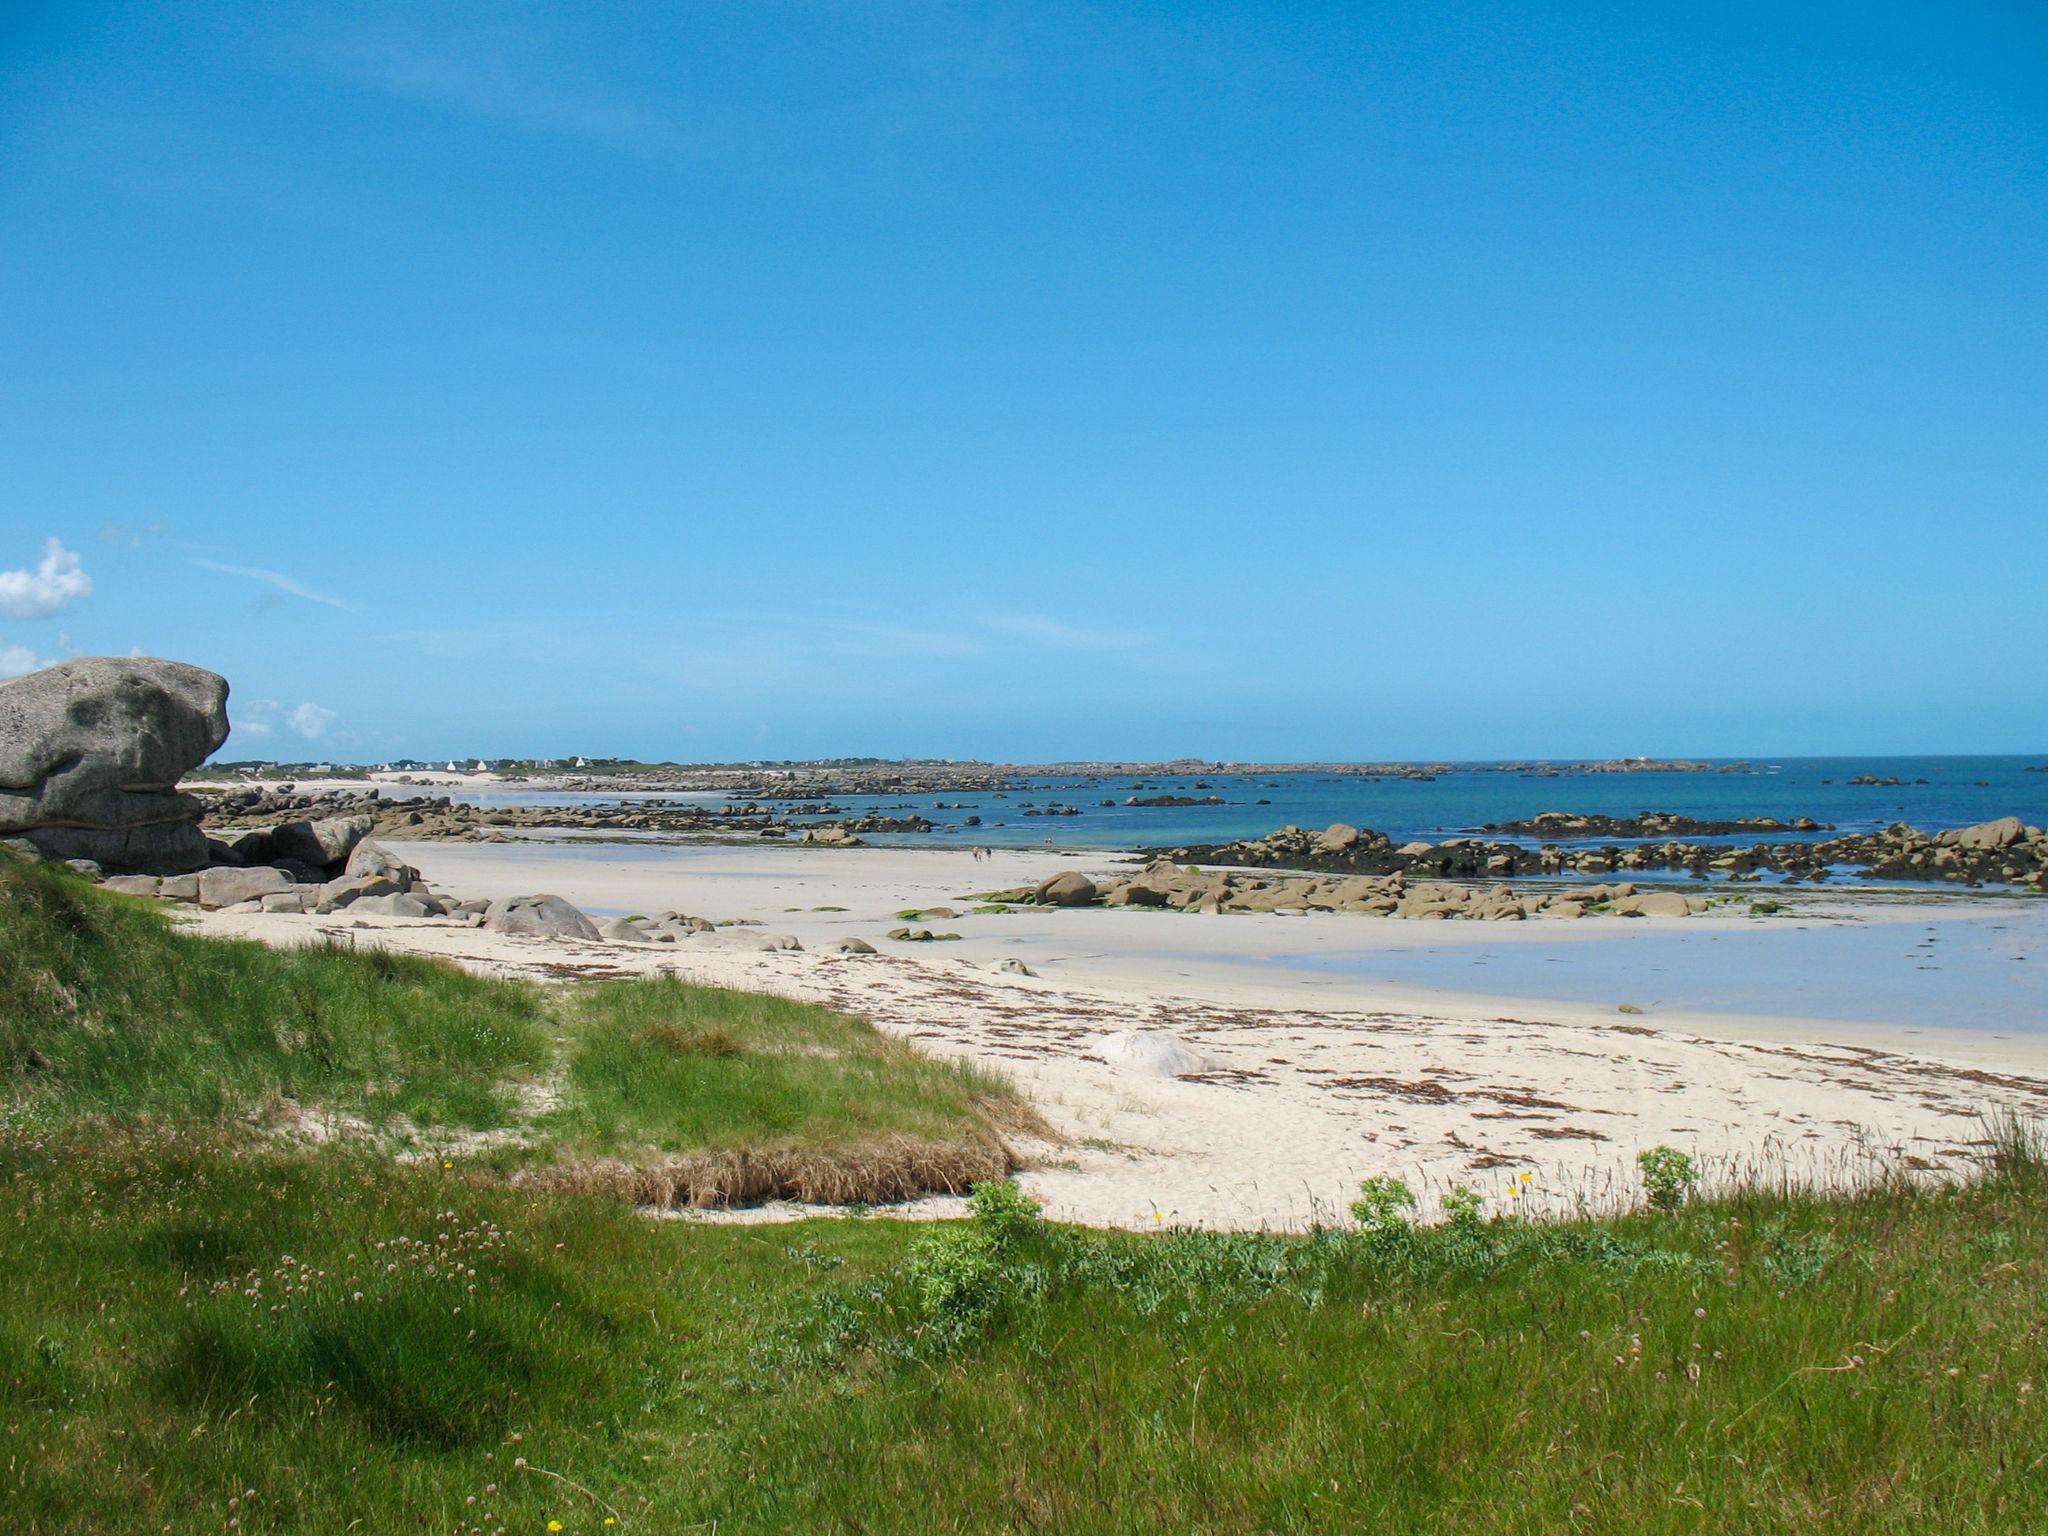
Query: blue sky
(1276, 381)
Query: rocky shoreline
(1184, 888)
(440, 818)
(2002, 852)
(1562, 825)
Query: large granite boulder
(1070, 888)
(323, 843)
(230, 887)
(91, 752)
(2002, 833)
(373, 858)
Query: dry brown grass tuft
(1017, 1116)
(879, 1174)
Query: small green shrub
(1462, 1206)
(959, 1275)
(1668, 1176)
(1383, 1205)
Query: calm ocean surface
(1958, 792)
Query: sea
(1933, 794)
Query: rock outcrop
(91, 752)
(1183, 888)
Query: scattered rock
(831, 836)
(741, 938)
(398, 904)
(1658, 904)
(336, 894)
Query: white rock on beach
(1150, 1052)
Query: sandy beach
(1314, 1073)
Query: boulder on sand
(395, 904)
(91, 752)
(349, 889)
(231, 887)
(1069, 888)
(1658, 904)
(372, 858)
(831, 837)
(541, 917)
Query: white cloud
(19, 661)
(276, 579)
(311, 721)
(256, 719)
(1041, 630)
(56, 580)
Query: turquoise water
(1959, 791)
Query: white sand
(1323, 1079)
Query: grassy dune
(209, 1328)
(686, 1095)
(652, 1089)
(104, 1010)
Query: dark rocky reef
(1563, 825)
(2002, 852)
(438, 818)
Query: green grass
(1687, 1372)
(108, 1013)
(665, 1066)
(205, 1324)
(104, 1010)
